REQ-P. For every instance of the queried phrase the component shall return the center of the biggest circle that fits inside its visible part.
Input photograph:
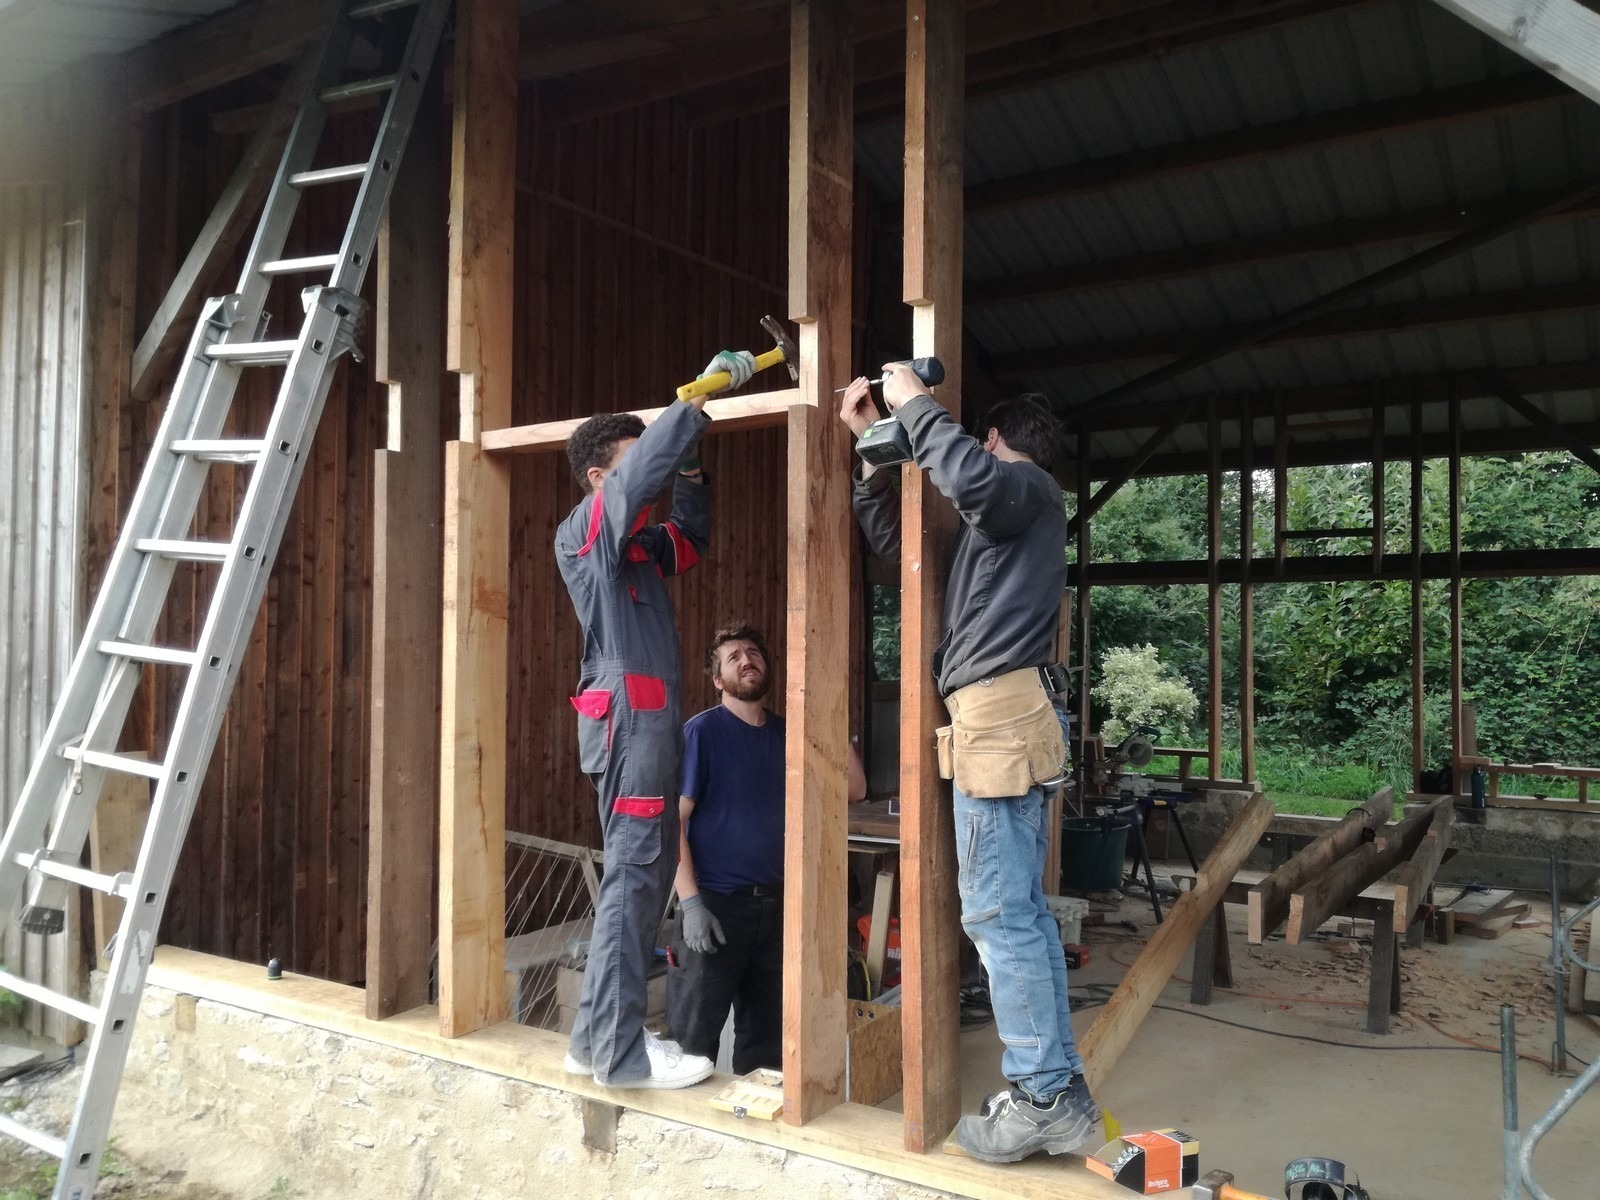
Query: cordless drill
(885, 441)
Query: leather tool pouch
(1005, 737)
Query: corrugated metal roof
(1337, 61)
(39, 37)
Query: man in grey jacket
(1006, 740)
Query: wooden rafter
(235, 43)
(1426, 110)
(1539, 419)
(1561, 36)
(1372, 320)
(1231, 254)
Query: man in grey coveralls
(630, 723)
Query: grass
(1301, 781)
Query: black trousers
(746, 974)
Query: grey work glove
(739, 365)
(699, 925)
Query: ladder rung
(37, 1138)
(253, 354)
(228, 450)
(114, 762)
(150, 654)
(50, 998)
(295, 266)
(302, 179)
(357, 88)
(376, 8)
(120, 884)
(184, 551)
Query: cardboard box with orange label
(1161, 1160)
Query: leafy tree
(1141, 690)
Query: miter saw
(1111, 774)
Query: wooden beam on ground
(1204, 155)
(821, 205)
(477, 524)
(1366, 321)
(407, 573)
(1560, 36)
(929, 906)
(237, 42)
(764, 410)
(232, 218)
(1119, 1020)
(1292, 245)
(1416, 877)
(1267, 906)
(1325, 893)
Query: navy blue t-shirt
(734, 774)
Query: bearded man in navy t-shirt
(729, 945)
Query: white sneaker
(573, 1067)
(670, 1067)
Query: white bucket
(1069, 913)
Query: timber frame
(442, 539)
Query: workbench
(1375, 904)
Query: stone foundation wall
(258, 1106)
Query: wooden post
(1418, 679)
(1085, 648)
(1455, 592)
(1280, 483)
(472, 802)
(821, 133)
(1378, 411)
(1214, 587)
(929, 903)
(1247, 600)
(407, 562)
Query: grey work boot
(1011, 1126)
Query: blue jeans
(1000, 847)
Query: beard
(741, 688)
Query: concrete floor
(1415, 1113)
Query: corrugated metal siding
(41, 494)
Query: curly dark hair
(735, 633)
(593, 443)
(1027, 426)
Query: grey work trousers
(631, 752)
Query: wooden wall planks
(641, 248)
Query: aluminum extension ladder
(41, 854)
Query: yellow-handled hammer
(784, 352)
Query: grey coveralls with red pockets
(630, 722)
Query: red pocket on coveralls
(646, 693)
(641, 806)
(594, 730)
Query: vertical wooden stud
(1247, 599)
(1214, 587)
(407, 575)
(929, 909)
(820, 212)
(477, 516)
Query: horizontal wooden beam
(1364, 397)
(1416, 877)
(760, 411)
(1561, 36)
(1427, 110)
(1539, 419)
(582, 35)
(1267, 906)
(1326, 893)
(1396, 447)
(1338, 568)
(1364, 321)
(1233, 254)
(235, 43)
